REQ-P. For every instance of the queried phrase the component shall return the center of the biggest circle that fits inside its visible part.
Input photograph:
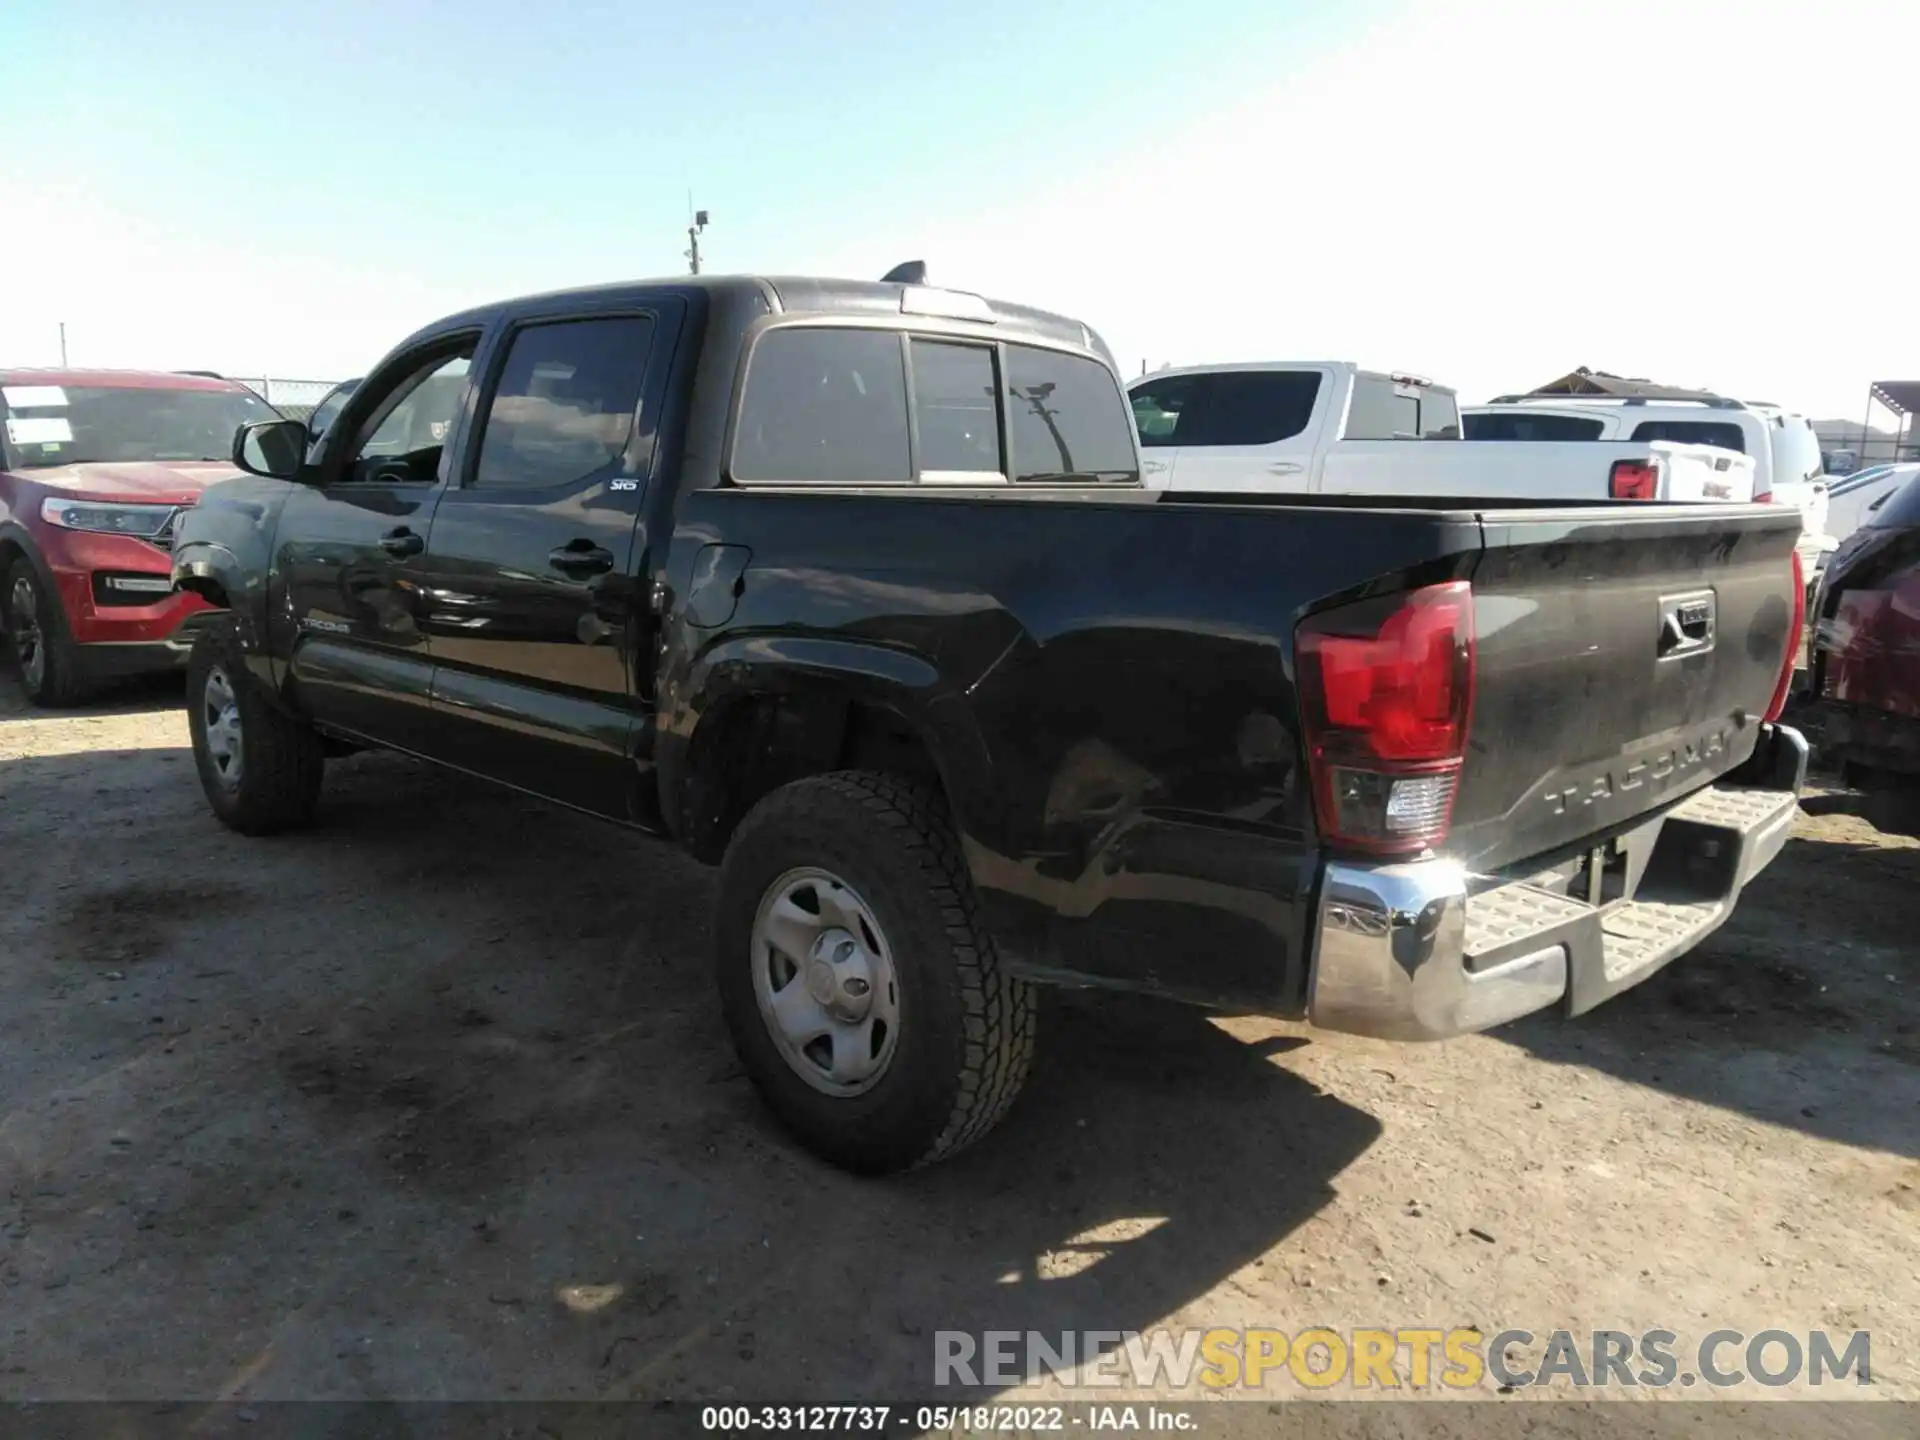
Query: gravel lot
(434, 1102)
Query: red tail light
(1765, 497)
(1633, 480)
(1794, 635)
(1386, 695)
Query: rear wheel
(867, 1002)
(51, 670)
(261, 768)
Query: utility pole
(63, 344)
(693, 236)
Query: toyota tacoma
(854, 590)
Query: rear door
(348, 549)
(1624, 657)
(528, 588)
(1253, 430)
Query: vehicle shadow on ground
(135, 696)
(452, 1069)
(1803, 1011)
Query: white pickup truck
(1787, 465)
(1330, 427)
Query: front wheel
(261, 768)
(867, 1002)
(51, 672)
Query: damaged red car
(95, 468)
(1865, 674)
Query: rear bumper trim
(1415, 952)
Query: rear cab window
(1385, 408)
(851, 406)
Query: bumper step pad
(1703, 851)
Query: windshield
(59, 425)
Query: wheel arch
(758, 721)
(17, 544)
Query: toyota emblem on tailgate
(1686, 624)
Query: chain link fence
(293, 398)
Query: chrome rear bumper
(1415, 951)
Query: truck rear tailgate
(1623, 659)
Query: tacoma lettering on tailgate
(1620, 779)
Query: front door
(529, 590)
(1163, 409)
(350, 549)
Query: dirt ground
(434, 1102)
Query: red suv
(95, 466)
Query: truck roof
(815, 295)
(1339, 367)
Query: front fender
(222, 551)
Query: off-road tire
(62, 679)
(282, 760)
(966, 1026)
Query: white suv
(1788, 467)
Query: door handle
(402, 542)
(1284, 467)
(1154, 467)
(580, 557)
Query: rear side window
(1692, 432)
(1255, 407)
(1518, 425)
(1066, 418)
(824, 405)
(563, 409)
(1796, 449)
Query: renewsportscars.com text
(1400, 1359)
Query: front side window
(1165, 411)
(1066, 418)
(50, 425)
(563, 410)
(825, 405)
(411, 424)
(331, 404)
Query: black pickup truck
(853, 589)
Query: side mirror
(273, 448)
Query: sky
(1486, 192)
